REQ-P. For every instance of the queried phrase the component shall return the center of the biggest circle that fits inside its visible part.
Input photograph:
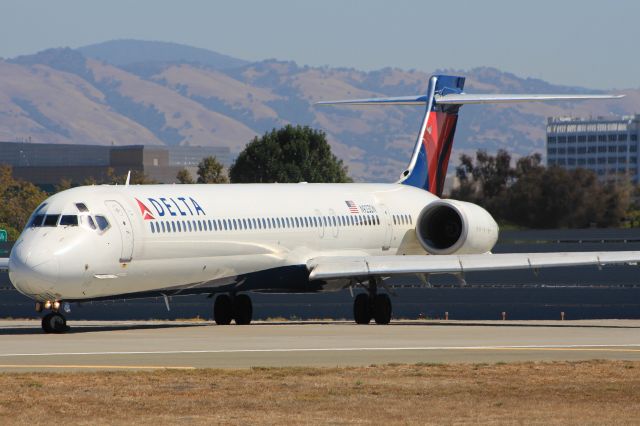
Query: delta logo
(169, 206)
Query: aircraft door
(388, 227)
(124, 225)
(320, 224)
(333, 225)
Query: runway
(148, 345)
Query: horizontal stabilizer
(326, 268)
(464, 98)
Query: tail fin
(428, 166)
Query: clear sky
(591, 43)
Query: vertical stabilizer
(428, 166)
(430, 159)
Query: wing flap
(335, 267)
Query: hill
(124, 53)
(69, 96)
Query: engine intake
(450, 226)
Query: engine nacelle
(450, 226)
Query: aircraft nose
(32, 270)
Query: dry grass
(595, 392)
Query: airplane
(131, 241)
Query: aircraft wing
(334, 267)
(4, 263)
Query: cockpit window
(103, 223)
(36, 222)
(87, 221)
(82, 207)
(69, 220)
(51, 220)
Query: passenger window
(69, 220)
(153, 228)
(102, 222)
(173, 226)
(51, 220)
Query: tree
(18, 199)
(184, 176)
(289, 154)
(534, 196)
(64, 184)
(210, 170)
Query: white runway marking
(632, 347)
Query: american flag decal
(352, 207)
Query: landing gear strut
(238, 308)
(372, 305)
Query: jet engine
(456, 227)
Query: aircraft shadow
(36, 329)
(94, 328)
(506, 324)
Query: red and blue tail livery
(430, 160)
(428, 167)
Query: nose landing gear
(54, 321)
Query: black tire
(54, 323)
(242, 309)
(223, 310)
(382, 309)
(362, 309)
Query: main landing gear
(235, 307)
(372, 305)
(54, 321)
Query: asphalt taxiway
(141, 345)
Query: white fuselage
(202, 238)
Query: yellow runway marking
(106, 367)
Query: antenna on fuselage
(126, 183)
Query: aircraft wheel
(242, 309)
(361, 309)
(54, 322)
(223, 310)
(382, 309)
